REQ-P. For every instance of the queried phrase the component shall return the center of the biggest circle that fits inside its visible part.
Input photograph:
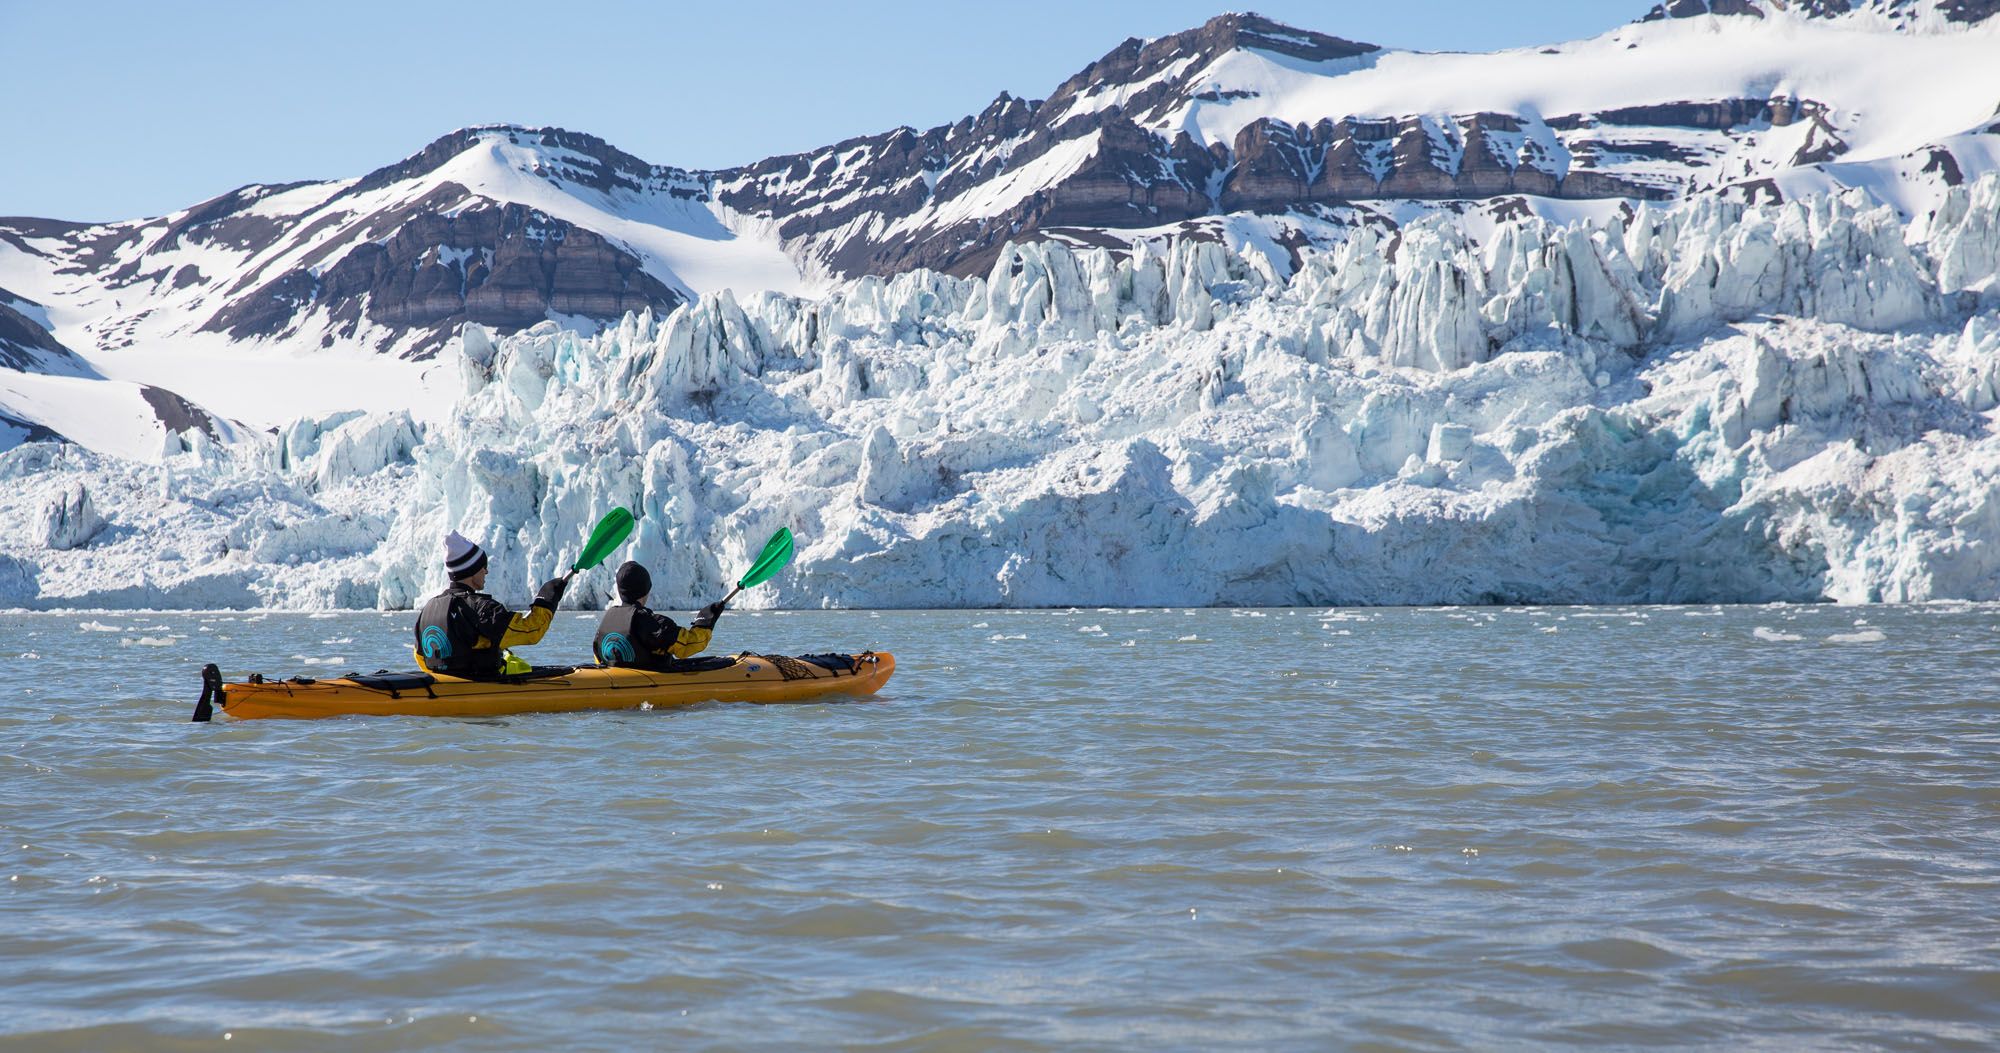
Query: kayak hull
(748, 678)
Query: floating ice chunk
(1766, 633)
(1864, 636)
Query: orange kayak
(553, 689)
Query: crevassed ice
(1714, 402)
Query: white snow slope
(1714, 402)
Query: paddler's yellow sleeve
(690, 643)
(524, 629)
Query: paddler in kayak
(632, 635)
(464, 632)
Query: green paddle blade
(611, 532)
(777, 552)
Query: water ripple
(1654, 828)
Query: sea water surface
(1764, 827)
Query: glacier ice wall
(1714, 402)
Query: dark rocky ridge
(30, 431)
(1962, 12)
(26, 346)
(1137, 178)
(453, 258)
(177, 414)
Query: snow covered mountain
(501, 226)
(1705, 308)
(1262, 133)
(1242, 129)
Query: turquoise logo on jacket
(436, 643)
(616, 648)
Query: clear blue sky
(121, 109)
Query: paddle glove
(551, 593)
(706, 617)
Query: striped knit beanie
(462, 558)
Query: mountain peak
(601, 164)
(1163, 59)
(1248, 29)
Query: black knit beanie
(633, 582)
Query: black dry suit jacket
(636, 636)
(461, 632)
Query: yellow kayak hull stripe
(751, 678)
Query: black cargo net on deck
(789, 668)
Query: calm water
(1302, 829)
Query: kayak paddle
(777, 552)
(610, 533)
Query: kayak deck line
(745, 677)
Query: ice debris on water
(1864, 636)
(1764, 632)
